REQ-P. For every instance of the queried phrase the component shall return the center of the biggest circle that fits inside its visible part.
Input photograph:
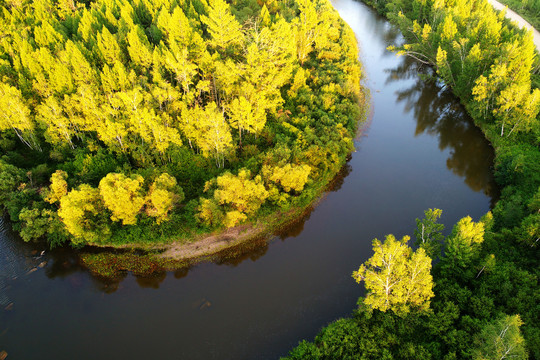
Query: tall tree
(82, 212)
(122, 196)
(396, 278)
(16, 116)
(223, 27)
(501, 339)
(428, 232)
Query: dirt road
(518, 19)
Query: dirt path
(519, 20)
(211, 244)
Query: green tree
(36, 224)
(10, 179)
(463, 246)
(396, 278)
(428, 232)
(501, 339)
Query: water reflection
(284, 290)
(439, 114)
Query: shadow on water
(439, 114)
(257, 248)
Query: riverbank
(146, 259)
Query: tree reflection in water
(438, 113)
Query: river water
(420, 151)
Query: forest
(474, 293)
(144, 122)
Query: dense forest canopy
(482, 301)
(136, 121)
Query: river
(420, 151)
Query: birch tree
(395, 277)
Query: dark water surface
(421, 151)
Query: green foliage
(501, 339)
(463, 246)
(528, 9)
(428, 232)
(10, 179)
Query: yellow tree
(209, 130)
(243, 115)
(223, 27)
(306, 29)
(59, 128)
(81, 211)
(395, 277)
(58, 188)
(176, 59)
(122, 196)
(15, 115)
(108, 47)
(311, 26)
(139, 48)
(269, 65)
(163, 196)
(290, 177)
(240, 196)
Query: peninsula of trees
(133, 122)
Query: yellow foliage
(163, 196)
(122, 196)
(232, 218)
(79, 210)
(299, 81)
(248, 116)
(222, 25)
(240, 192)
(236, 195)
(58, 188)
(290, 177)
(396, 278)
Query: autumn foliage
(160, 117)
